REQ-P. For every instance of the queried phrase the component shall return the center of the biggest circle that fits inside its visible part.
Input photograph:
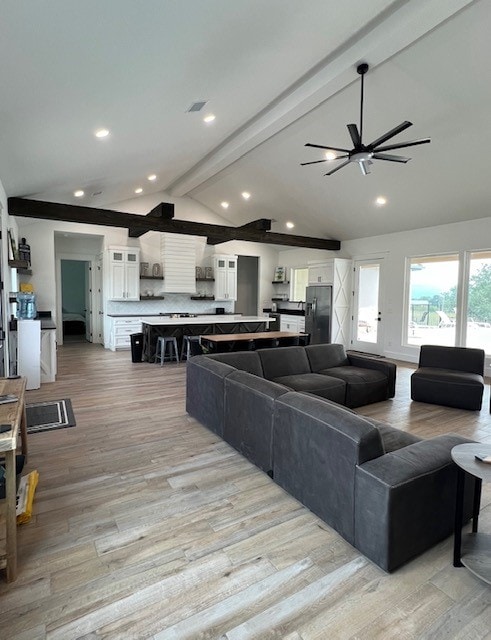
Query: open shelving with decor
(151, 277)
(280, 282)
(152, 298)
(202, 297)
(205, 279)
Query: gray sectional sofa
(387, 492)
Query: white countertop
(210, 319)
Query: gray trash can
(136, 347)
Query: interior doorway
(247, 285)
(79, 303)
(76, 305)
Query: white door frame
(94, 301)
(379, 315)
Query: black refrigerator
(318, 303)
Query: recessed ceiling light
(380, 201)
(101, 133)
(290, 225)
(331, 155)
(139, 190)
(224, 205)
(152, 177)
(246, 195)
(79, 193)
(209, 118)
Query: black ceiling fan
(361, 153)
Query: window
(442, 311)
(299, 282)
(478, 325)
(432, 303)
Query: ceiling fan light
(331, 155)
(380, 201)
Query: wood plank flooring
(146, 525)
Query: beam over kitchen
(162, 222)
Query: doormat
(46, 416)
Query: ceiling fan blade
(402, 145)
(320, 146)
(355, 136)
(390, 134)
(390, 158)
(302, 164)
(343, 164)
(365, 167)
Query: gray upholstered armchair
(450, 376)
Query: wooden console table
(13, 413)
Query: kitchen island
(154, 327)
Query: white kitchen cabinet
(124, 273)
(48, 355)
(120, 330)
(292, 323)
(321, 273)
(225, 268)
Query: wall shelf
(205, 279)
(202, 297)
(22, 267)
(152, 298)
(280, 282)
(151, 277)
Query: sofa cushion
(449, 376)
(323, 356)
(331, 388)
(287, 361)
(448, 387)
(316, 448)
(205, 391)
(459, 358)
(392, 438)
(363, 386)
(249, 413)
(244, 360)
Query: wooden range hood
(161, 219)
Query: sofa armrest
(405, 500)
(366, 362)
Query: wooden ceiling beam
(164, 210)
(163, 222)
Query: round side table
(472, 550)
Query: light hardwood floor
(147, 525)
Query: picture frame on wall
(280, 274)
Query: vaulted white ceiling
(277, 74)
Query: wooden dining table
(215, 340)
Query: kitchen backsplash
(173, 303)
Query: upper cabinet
(321, 273)
(124, 273)
(225, 268)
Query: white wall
(395, 248)
(450, 238)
